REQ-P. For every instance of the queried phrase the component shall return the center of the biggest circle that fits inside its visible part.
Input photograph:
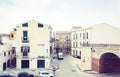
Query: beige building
(33, 44)
(5, 38)
(95, 44)
(63, 41)
(7, 53)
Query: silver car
(45, 74)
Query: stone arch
(109, 63)
(99, 56)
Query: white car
(45, 74)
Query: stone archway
(109, 63)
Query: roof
(62, 32)
(3, 35)
(103, 24)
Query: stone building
(63, 41)
(98, 47)
(7, 53)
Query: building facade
(32, 41)
(7, 53)
(63, 41)
(98, 47)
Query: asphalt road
(68, 68)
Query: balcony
(42, 57)
(25, 40)
(25, 57)
(22, 57)
(68, 46)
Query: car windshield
(45, 73)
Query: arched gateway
(109, 63)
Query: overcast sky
(60, 14)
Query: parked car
(45, 74)
(25, 74)
(6, 75)
(31, 75)
(60, 56)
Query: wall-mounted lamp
(92, 50)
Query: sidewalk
(91, 72)
(77, 63)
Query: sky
(60, 14)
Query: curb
(87, 71)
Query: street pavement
(66, 68)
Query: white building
(84, 41)
(63, 40)
(33, 44)
(5, 38)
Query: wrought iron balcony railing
(25, 40)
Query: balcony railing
(25, 40)
(105, 45)
(110, 46)
(41, 57)
(25, 57)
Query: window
(12, 35)
(25, 35)
(83, 43)
(46, 50)
(25, 25)
(76, 52)
(4, 53)
(13, 50)
(67, 40)
(40, 25)
(83, 35)
(76, 44)
(76, 36)
(25, 50)
(15, 29)
(80, 43)
(9, 53)
(87, 35)
(66, 36)
(88, 44)
(80, 35)
(80, 54)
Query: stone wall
(95, 64)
